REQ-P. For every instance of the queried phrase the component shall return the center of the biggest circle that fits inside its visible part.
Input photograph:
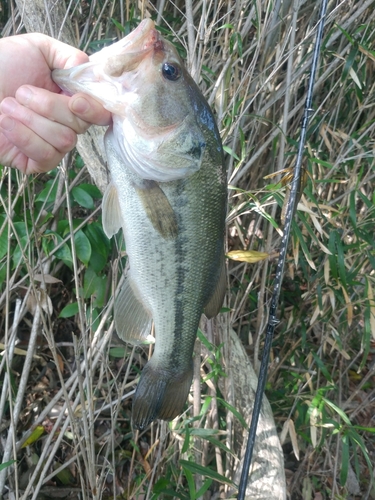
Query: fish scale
(168, 193)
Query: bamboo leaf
(6, 464)
(196, 468)
(204, 488)
(338, 410)
(190, 479)
(370, 296)
(344, 460)
(250, 256)
(35, 435)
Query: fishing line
(272, 319)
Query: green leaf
(83, 247)
(100, 245)
(63, 228)
(35, 435)
(20, 250)
(230, 151)
(225, 310)
(353, 209)
(93, 318)
(160, 485)
(236, 413)
(185, 446)
(338, 410)
(49, 192)
(341, 261)
(322, 366)
(118, 25)
(94, 287)
(332, 257)
(356, 438)
(64, 254)
(3, 272)
(205, 405)
(6, 464)
(204, 433)
(190, 481)
(204, 488)
(302, 242)
(218, 444)
(20, 228)
(49, 242)
(4, 242)
(91, 190)
(65, 476)
(366, 429)
(79, 161)
(226, 26)
(118, 352)
(201, 336)
(349, 62)
(82, 198)
(69, 310)
(205, 471)
(344, 460)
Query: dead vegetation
(66, 384)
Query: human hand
(39, 124)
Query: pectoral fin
(158, 209)
(214, 304)
(112, 220)
(132, 321)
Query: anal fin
(213, 306)
(132, 320)
(157, 208)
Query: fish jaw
(108, 75)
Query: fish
(168, 193)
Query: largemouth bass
(168, 193)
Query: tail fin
(160, 394)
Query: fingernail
(24, 95)
(80, 105)
(8, 105)
(7, 123)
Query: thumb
(59, 55)
(76, 59)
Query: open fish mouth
(107, 66)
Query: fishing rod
(272, 319)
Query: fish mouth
(109, 65)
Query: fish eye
(171, 72)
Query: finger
(52, 106)
(57, 54)
(89, 110)
(46, 152)
(11, 156)
(59, 136)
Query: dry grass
(64, 377)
